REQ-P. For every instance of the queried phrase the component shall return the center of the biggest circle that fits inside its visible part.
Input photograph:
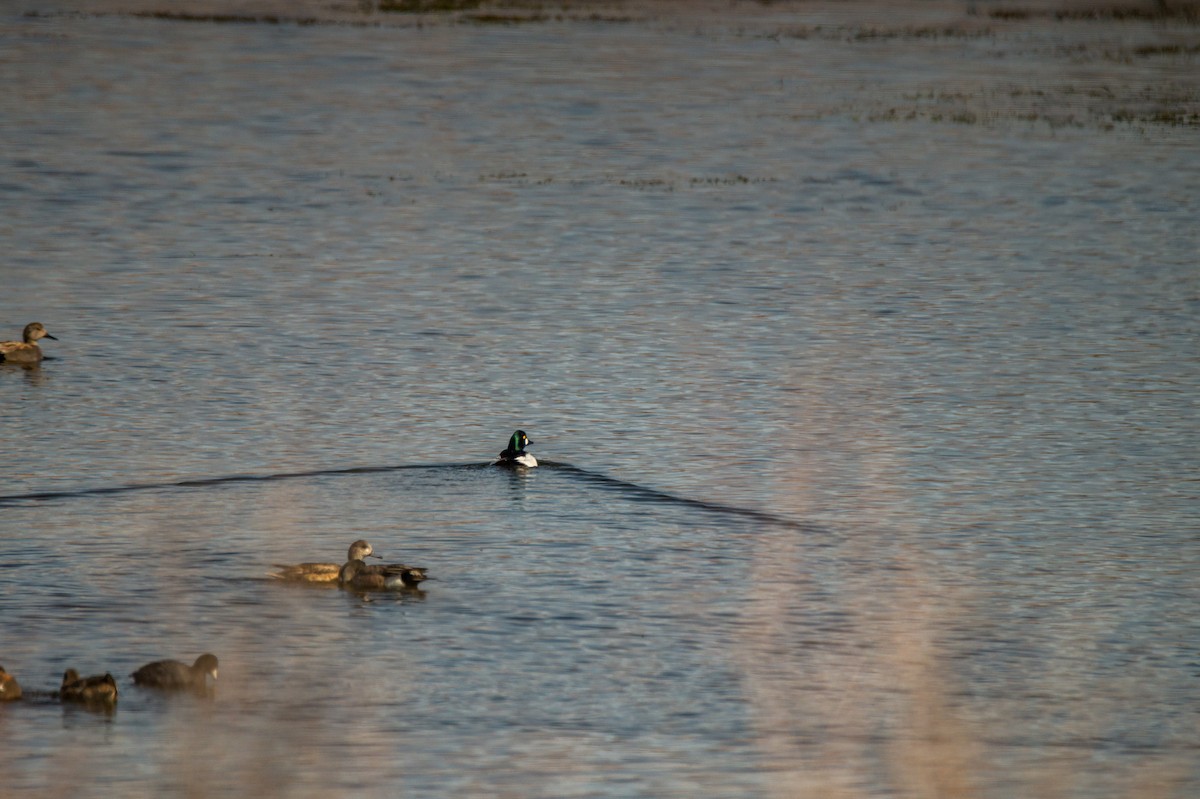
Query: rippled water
(861, 356)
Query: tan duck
(171, 675)
(356, 574)
(322, 572)
(26, 351)
(97, 689)
(9, 688)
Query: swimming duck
(516, 455)
(99, 688)
(174, 676)
(356, 574)
(26, 351)
(9, 688)
(323, 572)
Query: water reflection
(31, 372)
(397, 595)
(107, 710)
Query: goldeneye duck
(516, 455)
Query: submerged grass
(226, 19)
(427, 6)
(1145, 12)
(497, 12)
(663, 183)
(1166, 49)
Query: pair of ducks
(355, 573)
(101, 689)
(26, 351)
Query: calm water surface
(863, 362)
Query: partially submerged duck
(9, 688)
(356, 574)
(516, 455)
(97, 689)
(323, 572)
(171, 675)
(26, 350)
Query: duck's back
(97, 688)
(308, 572)
(357, 574)
(164, 674)
(397, 575)
(19, 352)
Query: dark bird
(172, 675)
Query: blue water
(868, 427)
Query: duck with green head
(388, 576)
(516, 455)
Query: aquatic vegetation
(1160, 116)
(1178, 11)
(947, 32)
(665, 183)
(226, 19)
(1166, 49)
(426, 6)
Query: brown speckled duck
(9, 688)
(322, 572)
(97, 689)
(27, 350)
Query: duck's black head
(206, 664)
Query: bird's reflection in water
(399, 595)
